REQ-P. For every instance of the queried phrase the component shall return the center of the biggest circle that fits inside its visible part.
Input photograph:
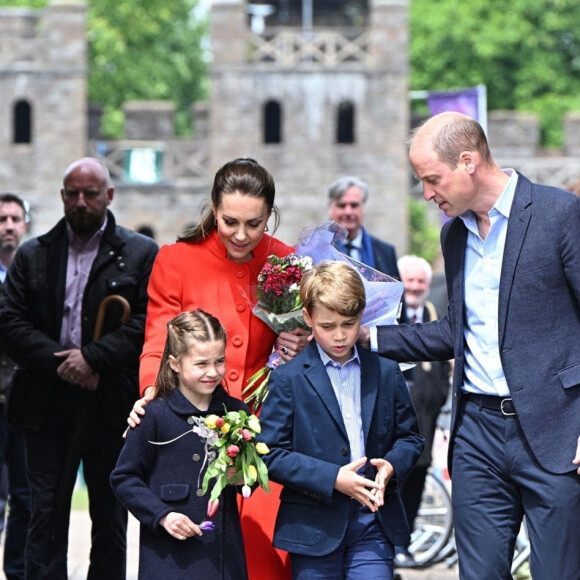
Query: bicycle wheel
(521, 554)
(433, 524)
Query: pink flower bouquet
(280, 307)
(232, 455)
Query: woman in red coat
(213, 266)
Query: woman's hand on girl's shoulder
(138, 409)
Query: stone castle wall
(43, 61)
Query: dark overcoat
(31, 313)
(153, 480)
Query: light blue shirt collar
(502, 206)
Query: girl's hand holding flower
(180, 526)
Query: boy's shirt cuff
(374, 338)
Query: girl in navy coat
(161, 484)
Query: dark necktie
(414, 318)
(349, 248)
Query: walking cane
(70, 467)
(103, 309)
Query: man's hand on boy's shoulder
(364, 337)
(367, 492)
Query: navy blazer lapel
(518, 221)
(369, 386)
(454, 246)
(317, 376)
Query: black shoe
(397, 576)
(404, 558)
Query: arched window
(272, 122)
(22, 122)
(345, 123)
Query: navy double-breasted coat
(153, 480)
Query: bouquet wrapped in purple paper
(383, 293)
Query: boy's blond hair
(334, 285)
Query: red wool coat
(188, 276)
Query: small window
(345, 123)
(22, 122)
(272, 122)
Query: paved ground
(79, 554)
(79, 549)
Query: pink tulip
(212, 507)
(232, 450)
(247, 435)
(220, 422)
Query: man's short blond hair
(334, 285)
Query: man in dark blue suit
(347, 197)
(343, 436)
(512, 265)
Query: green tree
(527, 53)
(146, 50)
(142, 50)
(423, 234)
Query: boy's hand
(384, 474)
(576, 460)
(180, 526)
(349, 482)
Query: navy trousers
(496, 480)
(364, 553)
(46, 454)
(12, 459)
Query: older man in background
(428, 383)
(347, 197)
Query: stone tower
(313, 105)
(43, 102)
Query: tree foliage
(527, 53)
(423, 234)
(142, 50)
(146, 50)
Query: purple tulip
(207, 526)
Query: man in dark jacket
(347, 197)
(13, 227)
(76, 377)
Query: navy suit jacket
(302, 424)
(538, 320)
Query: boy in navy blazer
(343, 435)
